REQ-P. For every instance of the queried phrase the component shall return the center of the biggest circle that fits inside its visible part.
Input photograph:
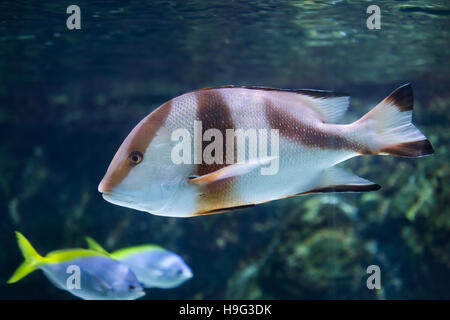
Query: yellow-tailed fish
(153, 265)
(100, 277)
(305, 148)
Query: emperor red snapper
(297, 138)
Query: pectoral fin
(232, 170)
(338, 180)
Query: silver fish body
(302, 143)
(158, 268)
(87, 274)
(101, 278)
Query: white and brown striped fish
(143, 176)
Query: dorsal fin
(330, 105)
(94, 245)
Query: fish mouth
(188, 274)
(134, 200)
(123, 200)
(140, 294)
(104, 187)
(116, 199)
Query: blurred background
(69, 97)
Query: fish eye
(179, 272)
(135, 157)
(131, 287)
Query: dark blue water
(69, 97)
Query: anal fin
(338, 180)
(221, 210)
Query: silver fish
(100, 277)
(153, 265)
(305, 146)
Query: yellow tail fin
(94, 245)
(32, 259)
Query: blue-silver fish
(100, 277)
(153, 265)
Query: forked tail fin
(387, 129)
(32, 259)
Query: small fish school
(81, 272)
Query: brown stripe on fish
(149, 127)
(214, 113)
(292, 128)
(137, 141)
